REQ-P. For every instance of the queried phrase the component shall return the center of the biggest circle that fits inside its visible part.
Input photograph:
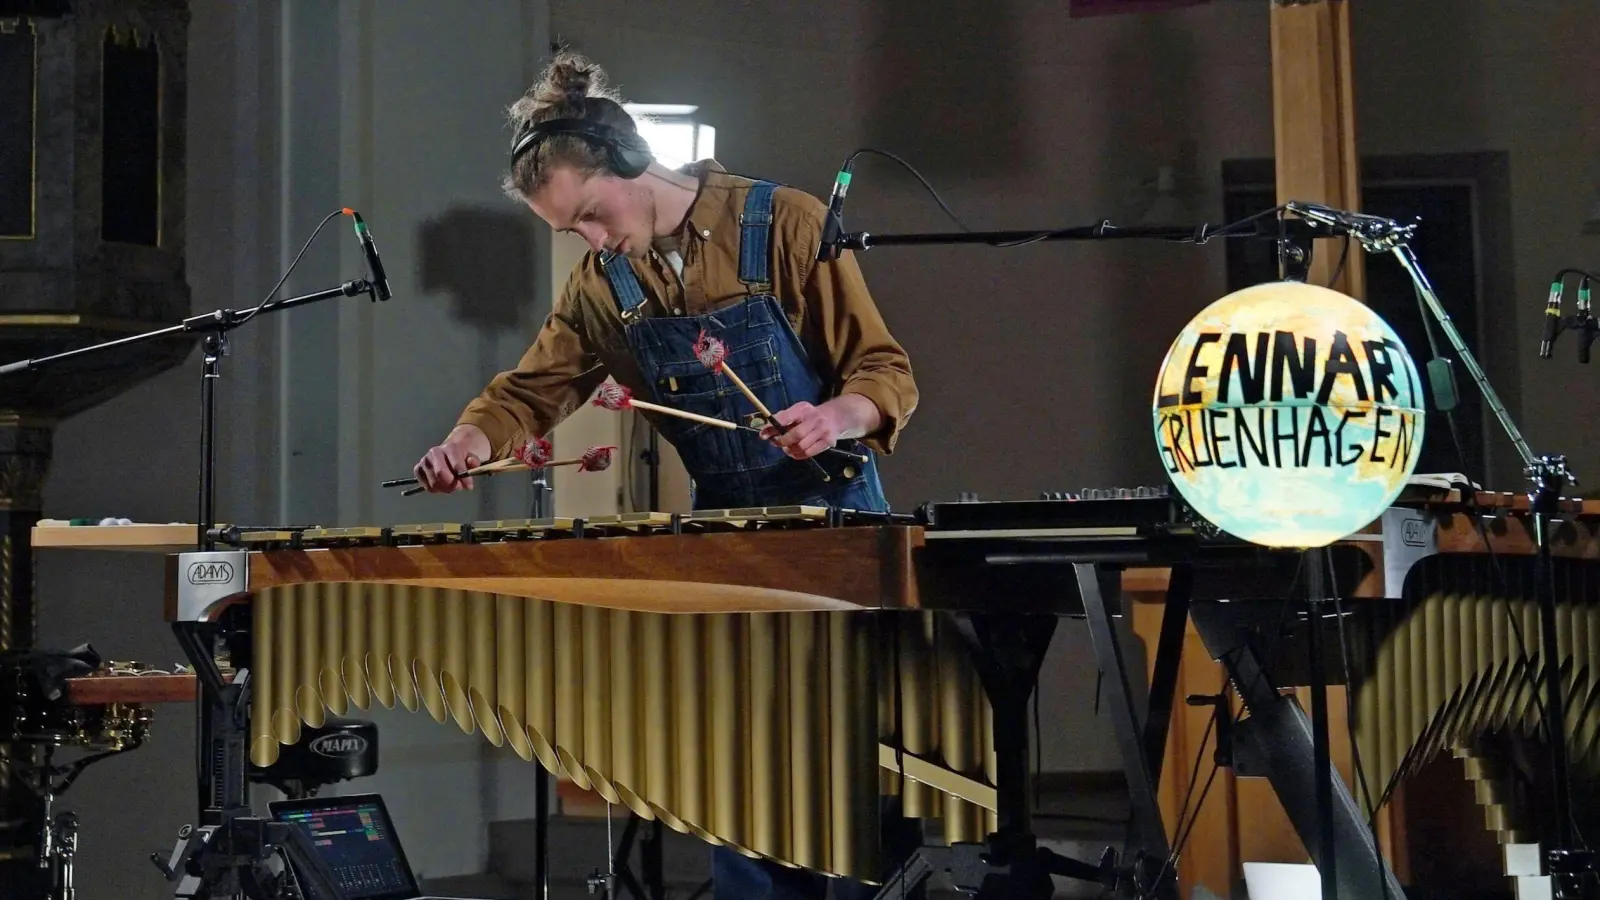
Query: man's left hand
(813, 429)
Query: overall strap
(755, 243)
(624, 284)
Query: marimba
(758, 678)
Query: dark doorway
(1448, 196)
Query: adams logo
(1414, 533)
(339, 745)
(210, 572)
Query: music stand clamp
(227, 854)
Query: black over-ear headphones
(626, 154)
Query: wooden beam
(1313, 114)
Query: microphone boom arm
(215, 327)
(1376, 234)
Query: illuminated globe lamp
(1288, 415)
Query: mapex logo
(210, 572)
(339, 745)
(1414, 533)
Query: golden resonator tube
(1452, 668)
(760, 731)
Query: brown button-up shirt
(827, 303)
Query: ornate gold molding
(75, 320)
(10, 419)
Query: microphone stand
(215, 327)
(1292, 236)
(227, 854)
(1294, 239)
(1104, 230)
(1568, 865)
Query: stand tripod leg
(541, 836)
(1276, 741)
(1146, 846)
(1006, 651)
(650, 861)
(1322, 763)
(1570, 866)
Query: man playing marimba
(676, 257)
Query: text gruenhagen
(1298, 428)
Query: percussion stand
(227, 854)
(1006, 651)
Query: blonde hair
(571, 87)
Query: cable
(915, 174)
(1181, 835)
(1561, 275)
(1202, 233)
(1038, 751)
(899, 737)
(1180, 832)
(1433, 348)
(1344, 257)
(1350, 718)
(287, 272)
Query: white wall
(398, 111)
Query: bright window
(675, 137)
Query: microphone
(1584, 322)
(833, 222)
(380, 281)
(1552, 318)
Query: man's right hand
(465, 447)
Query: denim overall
(732, 469)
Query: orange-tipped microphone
(380, 281)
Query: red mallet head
(596, 459)
(535, 453)
(612, 396)
(711, 351)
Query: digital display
(356, 842)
